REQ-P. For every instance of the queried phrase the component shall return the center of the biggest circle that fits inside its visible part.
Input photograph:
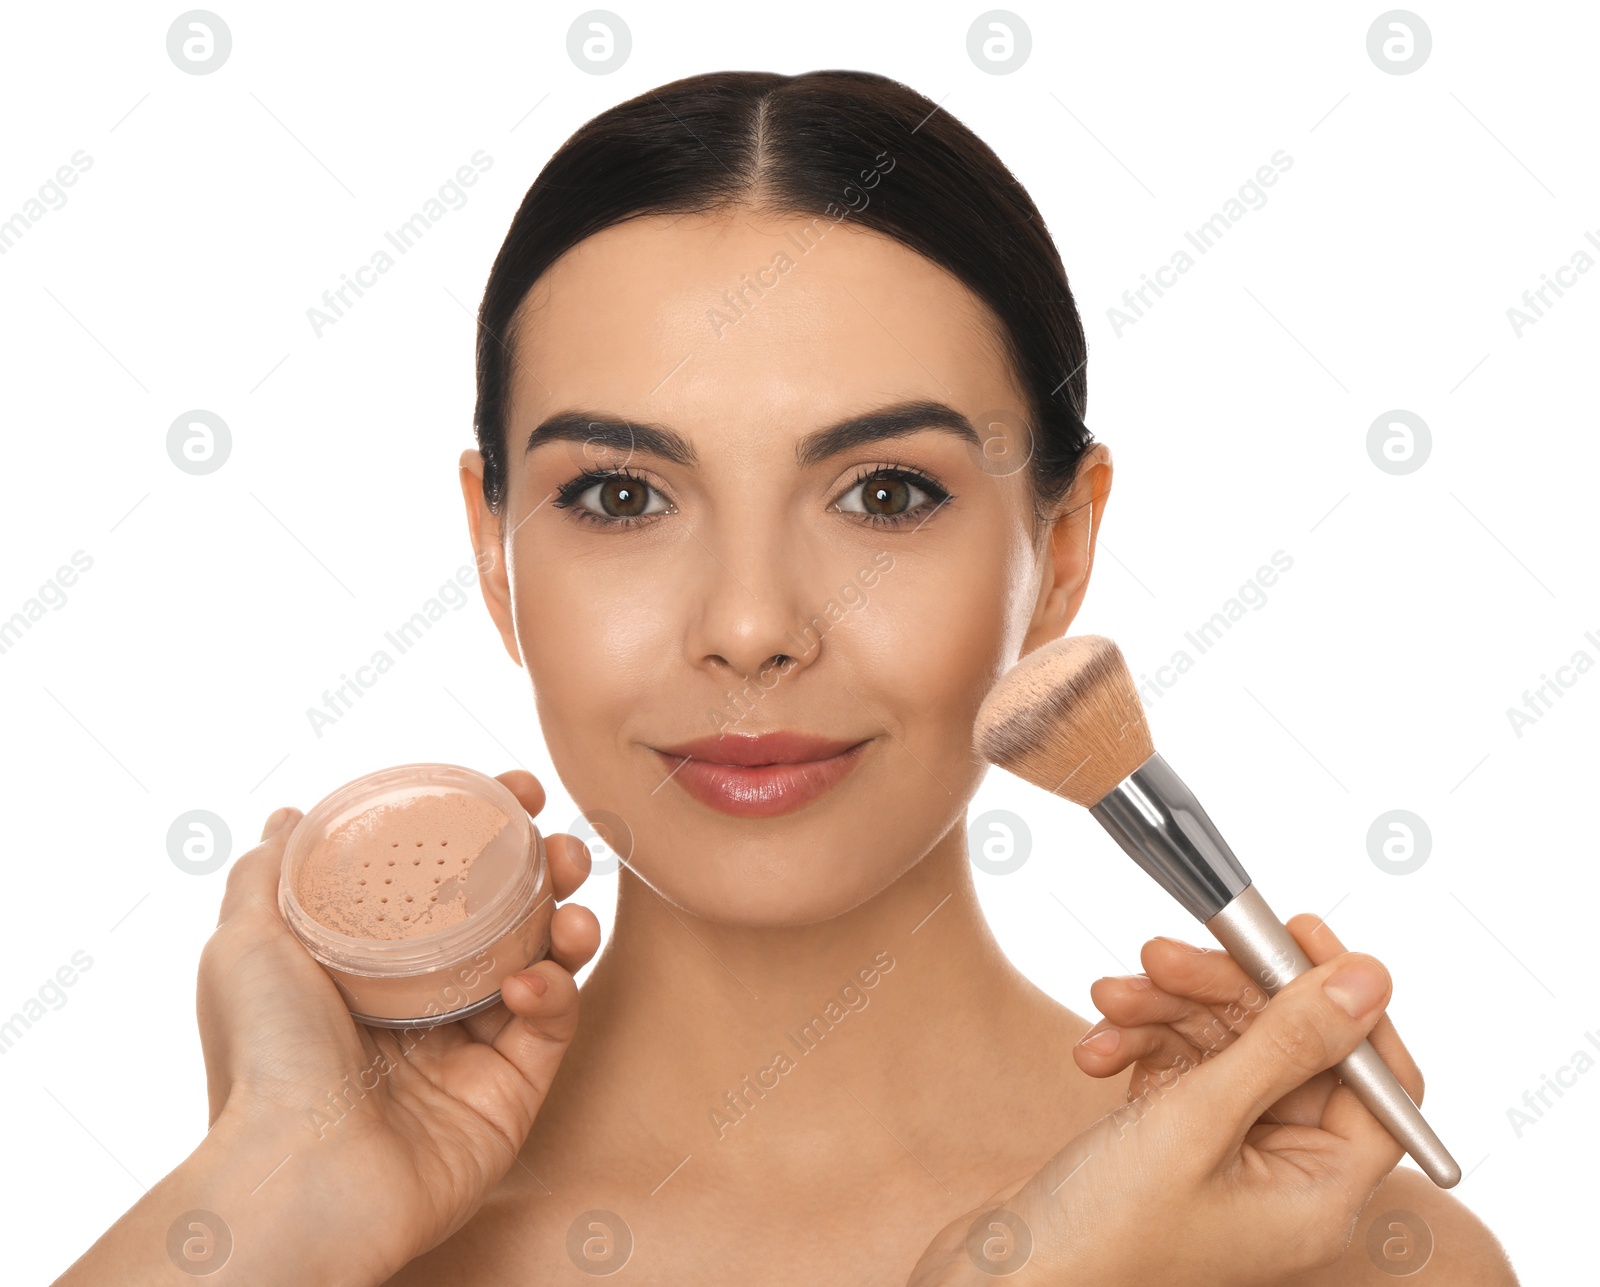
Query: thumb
(1311, 1024)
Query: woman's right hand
(411, 1129)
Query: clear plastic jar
(460, 922)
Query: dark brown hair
(797, 145)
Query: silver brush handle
(1160, 824)
(1268, 953)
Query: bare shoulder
(1413, 1228)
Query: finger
(1345, 1115)
(1107, 1049)
(1209, 976)
(1129, 1001)
(569, 860)
(1368, 1152)
(1208, 972)
(1372, 1152)
(542, 1025)
(253, 877)
(1316, 936)
(525, 787)
(1154, 1059)
(1123, 992)
(484, 1026)
(574, 936)
(1204, 974)
(1132, 1000)
(1304, 1030)
(1321, 944)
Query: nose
(747, 615)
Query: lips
(751, 750)
(760, 776)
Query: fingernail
(1141, 981)
(274, 821)
(1178, 942)
(1357, 987)
(1102, 1042)
(537, 982)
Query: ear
(488, 545)
(1068, 555)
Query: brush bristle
(1067, 718)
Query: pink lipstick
(760, 776)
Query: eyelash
(567, 496)
(937, 494)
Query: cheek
(598, 622)
(937, 630)
(592, 640)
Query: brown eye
(889, 497)
(611, 498)
(623, 497)
(885, 496)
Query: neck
(706, 1031)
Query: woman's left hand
(1191, 1003)
(1239, 1158)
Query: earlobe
(485, 532)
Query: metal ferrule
(1161, 826)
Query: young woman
(781, 463)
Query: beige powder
(399, 869)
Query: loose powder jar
(418, 888)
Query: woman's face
(898, 572)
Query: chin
(768, 884)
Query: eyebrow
(896, 421)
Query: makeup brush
(1068, 718)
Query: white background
(1377, 675)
